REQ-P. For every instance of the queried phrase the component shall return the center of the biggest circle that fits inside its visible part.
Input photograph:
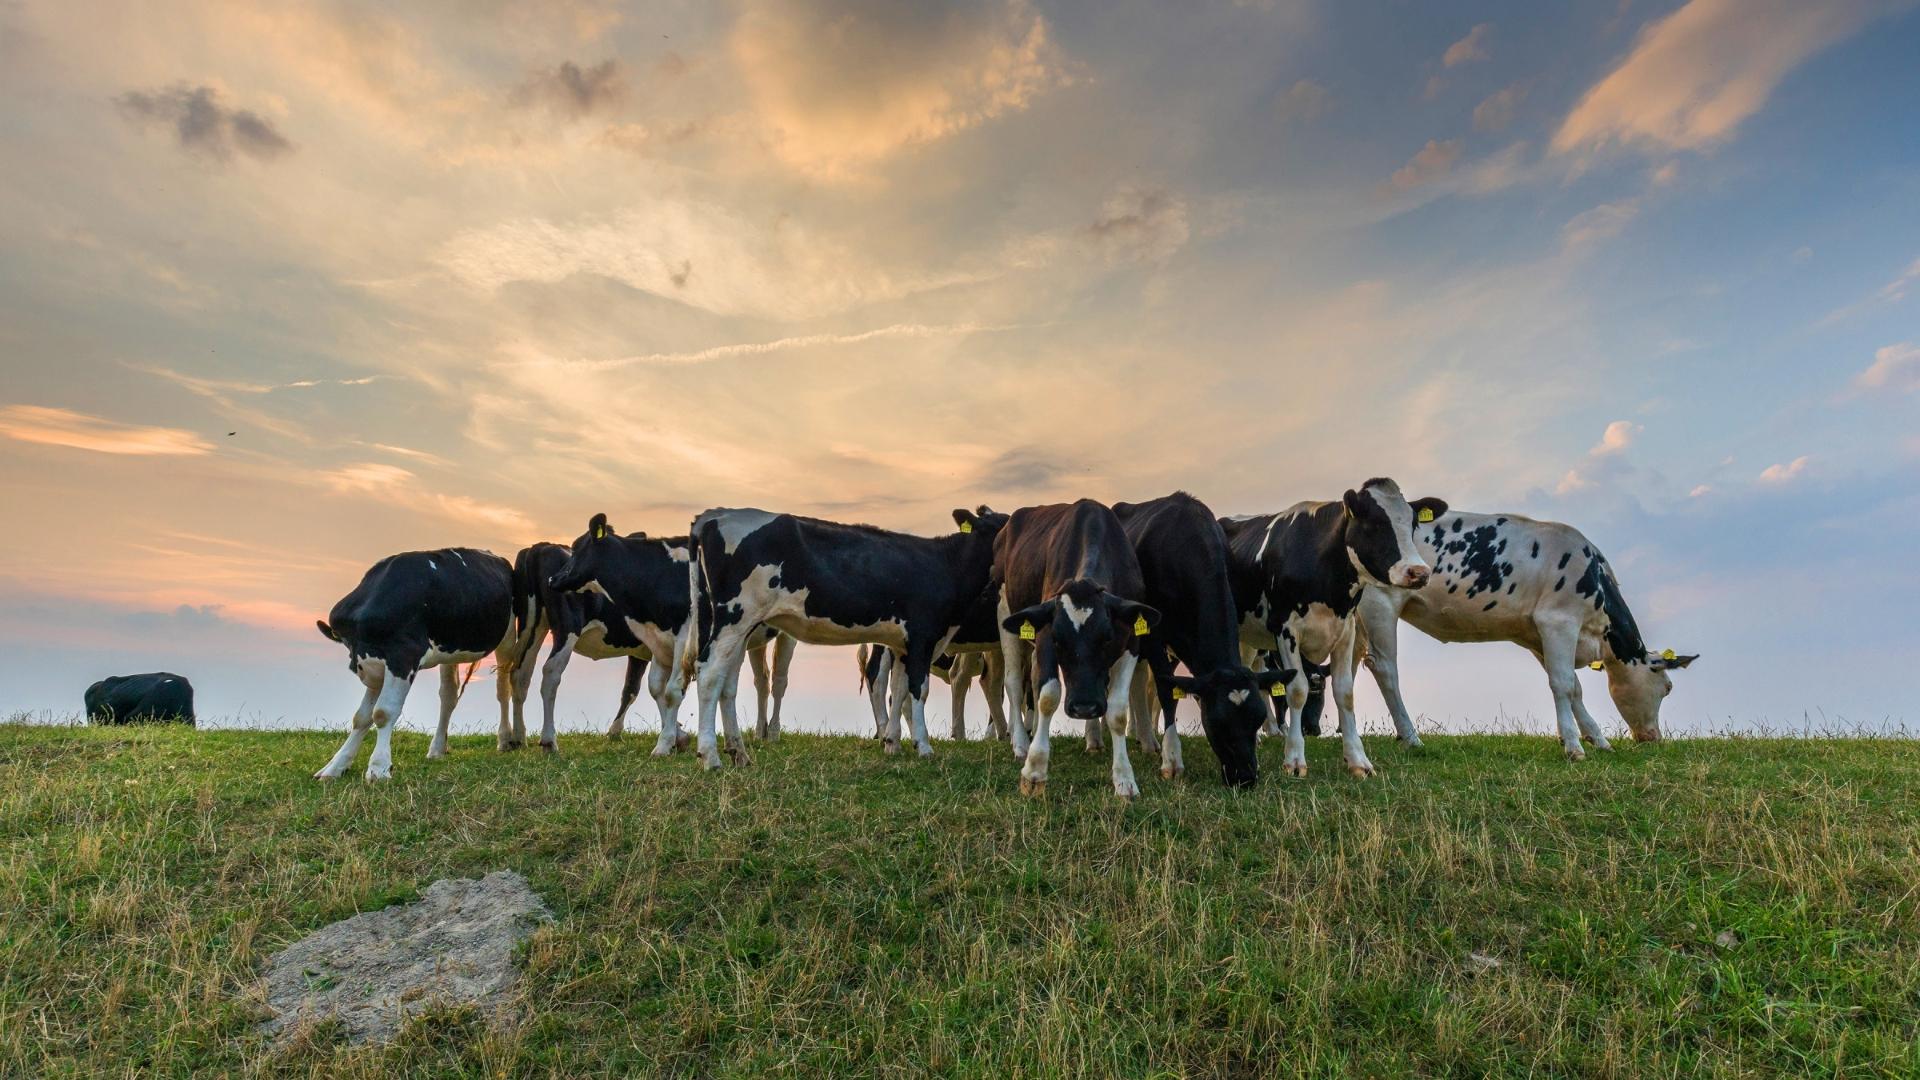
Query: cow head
(1379, 533)
(1638, 686)
(590, 553)
(1090, 628)
(983, 523)
(1232, 709)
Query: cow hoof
(374, 775)
(891, 746)
(615, 736)
(1169, 772)
(710, 760)
(1128, 792)
(549, 748)
(740, 756)
(1295, 770)
(324, 776)
(1603, 746)
(436, 755)
(664, 749)
(1413, 743)
(924, 752)
(1574, 753)
(1033, 788)
(513, 744)
(681, 740)
(1360, 772)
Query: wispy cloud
(1496, 111)
(1468, 49)
(1895, 367)
(1696, 75)
(1784, 473)
(1891, 293)
(761, 348)
(571, 91)
(1432, 162)
(1603, 222)
(401, 487)
(80, 431)
(202, 124)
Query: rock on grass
(371, 972)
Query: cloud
(1432, 162)
(1140, 224)
(1618, 436)
(1894, 366)
(761, 348)
(1572, 482)
(1782, 474)
(400, 487)
(571, 91)
(1468, 49)
(1701, 491)
(203, 125)
(1496, 112)
(1303, 101)
(1891, 293)
(79, 431)
(1696, 75)
(1600, 223)
(1023, 468)
(841, 85)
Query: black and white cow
(1183, 563)
(1297, 581)
(1538, 584)
(973, 653)
(576, 622)
(130, 699)
(826, 583)
(1070, 618)
(413, 611)
(630, 597)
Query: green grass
(833, 911)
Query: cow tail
(861, 653)
(686, 647)
(526, 609)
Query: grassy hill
(1713, 907)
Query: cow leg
(1380, 622)
(1342, 679)
(1295, 761)
(730, 716)
(964, 670)
(503, 679)
(1140, 713)
(671, 737)
(550, 675)
(757, 657)
(877, 691)
(1588, 727)
(356, 733)
(629, 690)
(386, 712)
(516, 736)
(783, 647)
(919, 672)
(1013, 657)
(1033, 775)
(1095, 735)
(896, 668)
(1557, 645)
(449, 696)
(723, 660)
(1276, 724)
(1119, 689)
(993, 683)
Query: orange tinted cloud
(79, 431)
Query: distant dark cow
(1068, 586)
(1539, 584)
(973, 653)
(628, 596)
(827, 584)
(128, 699)
(412, 611)
(1270, 659)
(1297, 580)
(1183, 562)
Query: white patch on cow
(431, 565)
(594, 586)
(1049, 699)
(1253, 629)
(787, 611)
(1075, 614)
(436, 656)
(680, 554)
(1387, 496)
(457, 555)
(734, 525)
(592, 643)
(1237, 696)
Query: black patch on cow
(1490, 605)
(1457, 523)
(459, 599)
(157, 696)
(1563, 561)
(1558, 585)
(1623, 633)
(1479, 552)
(1536, 549)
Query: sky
(286, 288)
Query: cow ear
(1133, 614)
(1425, 510)
(1351, 499)
(597, 528)
(966, 519)
(1187, 686)
(1671, 661)
(1267, 680)
(327, 630)
(1039, 616)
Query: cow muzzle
(1414, 577)
(1086, 710)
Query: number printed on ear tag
(1026, 631)
(1426, 515)
(1140, 628)
(1179, 694)
(1279, 689)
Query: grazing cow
(412, 611)
(1183, 562)
(129, 699)
(1297, 581)
(630, 598)
(1539, 584)
(1068, 581)
(828, 584)
(1264, 659)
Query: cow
(576, 622)
(1297, 580)
(1069, 587)
(1538, 584)
(629, 596)
(1182, 554)
(130, 699)
(412, 611)
(826, 583)
(1264, 659)
(973, 652)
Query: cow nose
(1417, 576)
(1647, 735)
(1236, 779)
(1083, 710)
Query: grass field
(1710, 907)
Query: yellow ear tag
(1140, 628)
(600, 533)
(1279, 689)
(1179, 694)
(1668, 654)
(1598, 665)
(1426, 515)
(1026, 631)
(966, 526)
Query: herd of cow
(1081, 604)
